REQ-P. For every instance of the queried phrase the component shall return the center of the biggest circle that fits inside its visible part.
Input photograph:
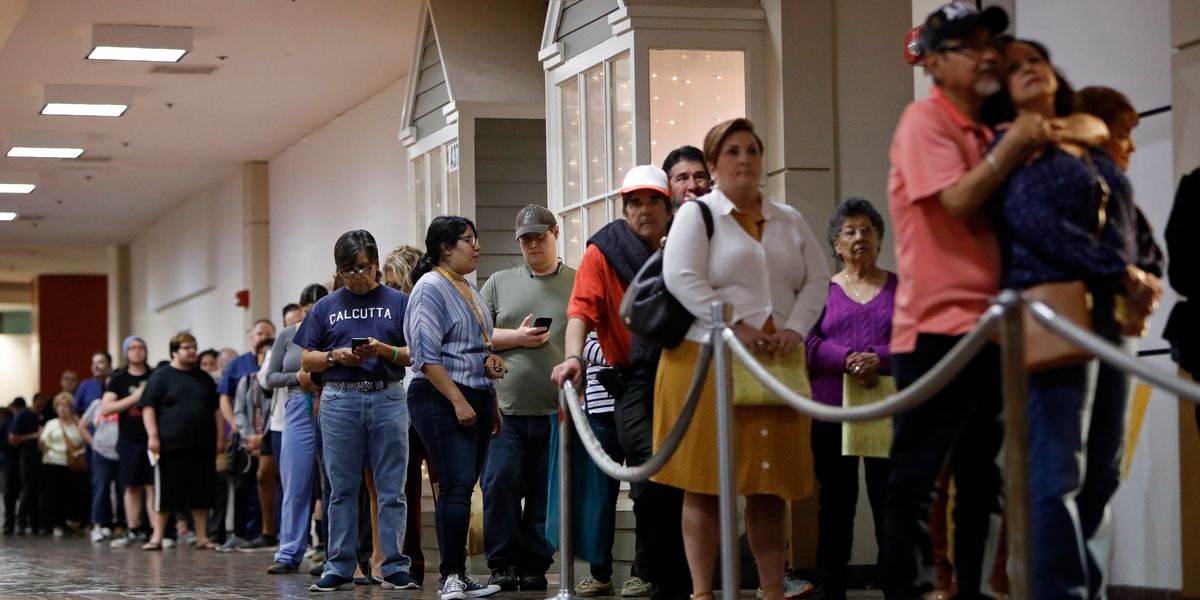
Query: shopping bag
(867, 438)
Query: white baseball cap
(646, 177)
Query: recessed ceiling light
(144, 43)
(86, 100)
(8, 216)
(45, 144)
(16, 188)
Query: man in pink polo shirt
(948, 262)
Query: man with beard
(612, 259)
(93, 388)
(686, 174)
(948, 262)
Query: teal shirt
(510, 295)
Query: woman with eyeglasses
(453, 406)
(355, 338)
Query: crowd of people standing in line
(1003, 177)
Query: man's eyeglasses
(471, 240)
(964, 47)
(358, 272)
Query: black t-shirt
(129, 427)
(184, 403)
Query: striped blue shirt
(597, 400)
(441, 330)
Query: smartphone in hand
(543, 322)
(357, 342)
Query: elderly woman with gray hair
(850, 340)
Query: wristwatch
(329, 358)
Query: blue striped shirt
(597, 400)
(441, 330)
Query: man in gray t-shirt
(521, 300)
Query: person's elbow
(957, 204)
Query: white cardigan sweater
(785, 277)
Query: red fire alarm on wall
(243, 298)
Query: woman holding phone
(363, 407)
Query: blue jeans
(605, 427)
(376, 422)
(104, 476)
(516, 470)
(1076, 436)
(457, 454)
(296, 472)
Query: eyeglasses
(358, 272)
(471, 240)
(852, 232)
(964, 47)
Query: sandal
(152, 545)
(206, 545)
(701, 595)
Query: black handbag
(648, 308)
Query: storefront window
(690, 91)
(420, 197)
(570, 142)
(435, 184)
(622, 119)
(596, 131)
(573, 237)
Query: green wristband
(395, 354)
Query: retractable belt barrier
(1003, 317)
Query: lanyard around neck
(472, 303)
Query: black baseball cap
(957, 20)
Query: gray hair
(852, 207)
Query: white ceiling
(290, 67)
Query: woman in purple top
(851, 338)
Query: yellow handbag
(790, 368)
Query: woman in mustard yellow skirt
(764, 261)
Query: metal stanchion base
(564, 595)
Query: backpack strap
(708, 220)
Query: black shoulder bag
(648, 308)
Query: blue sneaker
(399, 580)
(474, 589)
(332, 583)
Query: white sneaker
(168, 543)
(124, 541)
(58, 532)
(97, 536)
(474, 589)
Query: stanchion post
(725, 466)
(566, 554)
(1016, 444)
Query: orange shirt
(948, 268)
(596, 299)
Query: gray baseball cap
(534, 218)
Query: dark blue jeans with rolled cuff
(354, 422)
(1076, 438)
(458, 455)
(514, 484)
(104, 477)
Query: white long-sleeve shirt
(785, 277)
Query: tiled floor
(74, 569)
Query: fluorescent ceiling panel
(45, 144)
(18, 182)
(8, 216)
(143, 43)
(86, 100)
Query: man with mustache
(948, 263)
(687, 174)
(612, 259)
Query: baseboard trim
(1124, 592)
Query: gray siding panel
(584, 25)
(431, 92)
(429, 123)
(510, 172)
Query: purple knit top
(845, 327)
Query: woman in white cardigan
(764, 261)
